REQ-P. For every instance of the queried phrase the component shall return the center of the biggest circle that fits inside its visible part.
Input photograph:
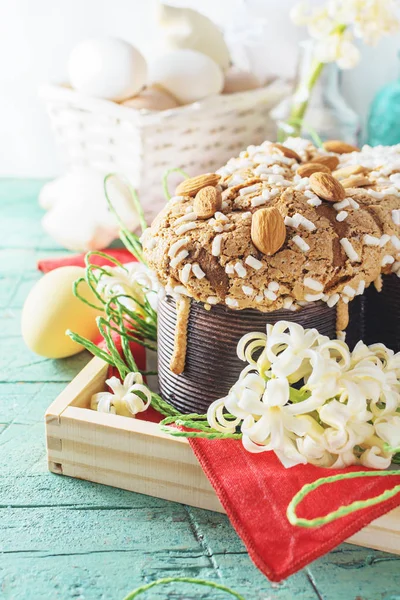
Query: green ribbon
(191, 580)
(198, 422)
(342, 511)
(165, 180)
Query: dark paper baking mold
(212, 366)
(382, 313)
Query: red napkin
(255, 490)
(78, 260)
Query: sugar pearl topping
(348, 248)
(313, 284)
(300, 243)
(253, 262)
(216, 245)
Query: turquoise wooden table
(65, 539)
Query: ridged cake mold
(212, 365)
(382, 313)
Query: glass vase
(384, 116)
(317, 105)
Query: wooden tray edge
(69, 423)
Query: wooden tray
(135, 455)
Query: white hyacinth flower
(274, 428)
(286, 348)
(250, 388)
(125, 398)
(376, 370)
(375, 19)
(343, 410)
(132, 279)
(335, 25)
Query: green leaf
(298, 395)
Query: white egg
(188, 75)
(187, 28)
(79, 217)
(108, 68)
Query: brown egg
(239, 81)
(152, 98)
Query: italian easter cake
(287, 231)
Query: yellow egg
(51, 308)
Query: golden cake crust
(332, 249)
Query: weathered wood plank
(350, 572)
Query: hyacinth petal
(375, 459)
(139, 387)
(336, 440)
(132, 379)
(360, 352)
(258, 431)
(296, 425)
(346, 459)
(314, 451)
(334, 414)
(232, 406)
(290, 456)
(115, 384)
(213, 420)
(133, 403)
(348, 56)
(312, 403)
(388, 428)
(337, 349)
(356, 401)
(249, 402)
(287, 364)
(250, 446)
(105, 404)
(362, 431)
(276, 392)
(129, 380)
(244, 349)
(310, 448)
(100, 397)
(277, 436)
(254, 382)
(229, 424)
(390, 402)
(369, 388)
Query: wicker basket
(142, 144)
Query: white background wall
(36, 37)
